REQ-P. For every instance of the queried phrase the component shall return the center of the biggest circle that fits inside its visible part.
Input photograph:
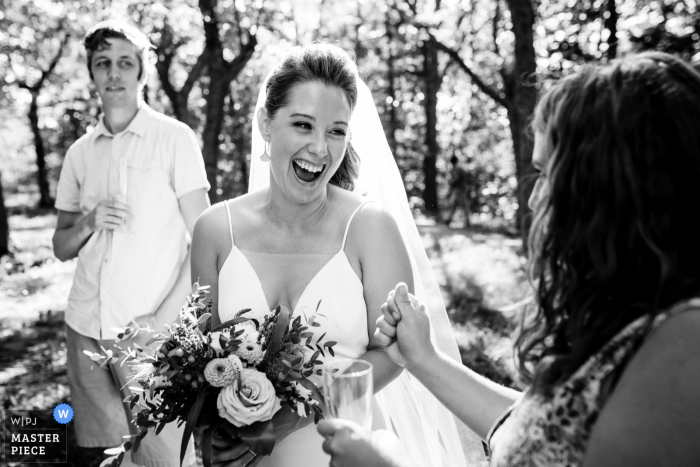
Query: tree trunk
(216, 99)
(522, 105)
(432, 84)
(610, 23)
(45, 200)
(4, 225)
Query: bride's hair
(615, 236)
(327, 64)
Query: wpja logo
(37, 436)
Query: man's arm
(192, 204)
(73, 229)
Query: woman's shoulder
(657, 389)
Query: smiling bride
(325, 220)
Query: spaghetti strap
(230, 227)
(347, 227)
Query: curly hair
(614, 237)
(327, 64)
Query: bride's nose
(318, 146)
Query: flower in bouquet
(222, 372)
(248, 400)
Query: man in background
(459, 192)
(128, 196)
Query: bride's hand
(237, 454)
(404, 328)
(232, 453)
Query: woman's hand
(238, 454)
(404, 328)
(351, 445)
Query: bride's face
(308, 138)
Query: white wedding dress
(342, 315)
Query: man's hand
(109, 214)
(350, 445)
(404, 328)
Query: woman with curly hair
(611, 350)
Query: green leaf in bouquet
(134, 400)
(231, 322)
(155, 338)
(281, 327)
(160, 427)
(203, 321)
(191, 422)
(137, 440)
(259, 436)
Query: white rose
(249, 399)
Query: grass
(481, 273)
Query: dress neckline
(306, 288)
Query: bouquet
(229, 380)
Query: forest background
(452, 80)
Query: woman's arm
(384, 261)
(404, 329)
(207, 240)
(653, 416)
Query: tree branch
(485, 88)
(236, 65)
(194, 73)
(45, 73)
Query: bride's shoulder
(216, 217)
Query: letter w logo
(63, 413)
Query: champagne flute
(120, 188)
(348, 387)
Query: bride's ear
(264, 123)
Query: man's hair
(323, 63)
(96, 39)
(614, 236)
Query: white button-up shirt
(124, 274)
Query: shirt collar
(137, 126)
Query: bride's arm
(204, 261)
(375, 238)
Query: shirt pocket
(148, 189)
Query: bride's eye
(339, 132)
(302, 125)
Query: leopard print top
(554, 431)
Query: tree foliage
(450, 78)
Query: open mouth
(306, 171)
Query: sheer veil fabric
(428, 431)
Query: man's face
(115, 70)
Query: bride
(325, 221)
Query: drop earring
(265, 157)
